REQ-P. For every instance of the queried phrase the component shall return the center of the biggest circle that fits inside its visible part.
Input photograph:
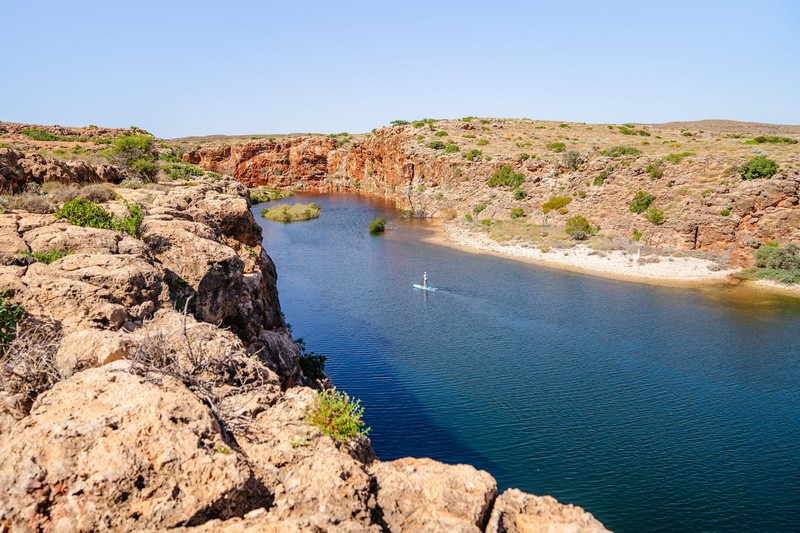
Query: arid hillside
(690, 174)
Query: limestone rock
(90, 348)
(105, 450)
(426, 495)
(517, 512)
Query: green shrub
(313, 365)
(482, 142)
(41, 135)
(506, 177)
(267, 194)
(655, 169)
(473, 154)
(182, 171)
(437, 145)
(601, 178)
(523, 156)
(10, 315)
(641, 201)
(556, 147)
(478, 208)
(519, 194)
(725, 212)
(451, 148)
(517, 212)
(655, 215)
(619, 151)
(130, 223)
(291, 213)
(758, 167)
(579, 228)
(486, 221)
(441, 134)
(85, 213)
(467, 218)
(47, 257)
(772, 255)
(563, 125)
(137, 152)
(399, 122)
(556, 202)
(572, 159)
(771, 139)
(378, 225)
(169, 157)
(337, 416)
(636, 234)
(677, 158)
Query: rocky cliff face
(707, 206)
(154, 386)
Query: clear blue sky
(181, 68)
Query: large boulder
(517, 512)
(426, 495)
(107, 450)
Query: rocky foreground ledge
(175, 399)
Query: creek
(654, 408)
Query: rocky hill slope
(442, 168)
(152, 384)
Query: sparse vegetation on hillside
(506, 177)
(655, 169)
(556, 147)
(759, 167)
(473, 154)
(655, 215)
(620, 151)
(641, 201)
(771, 139)
(677, 158)
(556, 202)
(182, 171)
(517, 212)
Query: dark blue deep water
(656, 409)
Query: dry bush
(32, 203)
(96, 193)
(28, 365)
(213, 371)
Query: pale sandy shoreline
(668, 271)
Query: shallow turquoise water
(656, 409)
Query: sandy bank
(673, 271)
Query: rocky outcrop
(17, 169)
(517, 512)
(708, 207)
(178, 400)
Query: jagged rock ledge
(117, 444)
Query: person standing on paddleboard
(424, 279)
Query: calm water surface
(656, 409)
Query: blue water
(656, 409)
